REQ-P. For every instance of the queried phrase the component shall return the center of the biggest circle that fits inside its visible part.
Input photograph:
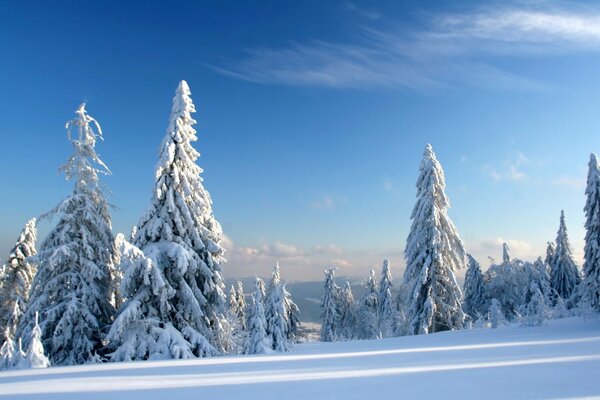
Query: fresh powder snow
(557, 360)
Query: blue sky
(312, 117)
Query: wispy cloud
(372, 15)
(327, 202)
(552, 26)
(303, 263)
(511, 170)
(575, 183)
(448, 50)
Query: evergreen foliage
(434, 252)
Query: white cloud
(372, 15)
(449, 50)
(328, 249)
(304, 264)
(492, 247)
(513, 168)
(569, 182)
(327, 202)
(553, 26)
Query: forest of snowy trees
(429, 298)
(91, 296)
(88, 295)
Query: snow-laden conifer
(236, 317)
(346, 308)
(240, 304)
(550, 253)
(386, 308)
(276, 313)
(34, 357)
(475, 302)
(71, 289)
(564, 273)
(434, 252)
(588, 294)
(293, 315)
(257, 341)
(329, 309)
(180, 235)
(504, 283)
(17, 275)
(539, 273)
(142, 329)
(7, 351)
(536, 309)
(367, 309)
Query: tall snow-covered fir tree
(367, 309)
(475, 302)
(434, 252)
(504, 283)
(329, 310)
(180, 235)
(563, 270)
(72, 284)
(276, 312)
(386, 309)
(257, 340)
(590, 288)
(550, 253)
(17, 275)
(347, 319)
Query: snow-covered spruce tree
(293, 315)
(550, 253)
(236, 317)
(588, 292)
(367, 309)
(329, 308)
(240, 305)
(7, 352)
(142, 329)
(17, 275)
(276, 313)
(180, 235)
(71, 289)
(34, 357)
(504, 283)
(535, 308)
(539, 273)
(257, 341)
(564, 273)
(346, 308)
(475, 302)
(434, 252)
(386, 309)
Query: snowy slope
(560, 360)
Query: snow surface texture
(559, 360)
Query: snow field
(558, 360)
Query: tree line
(90, 296)
(430, 299)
